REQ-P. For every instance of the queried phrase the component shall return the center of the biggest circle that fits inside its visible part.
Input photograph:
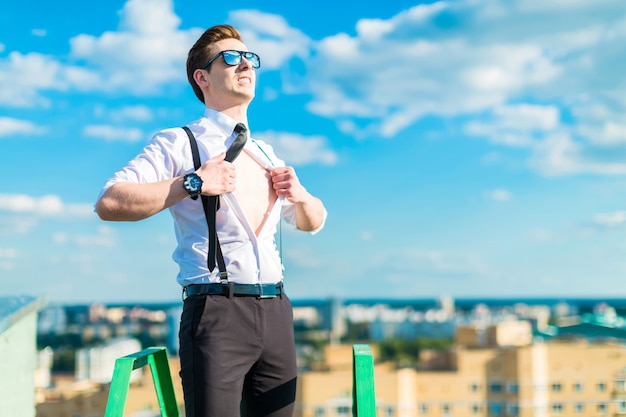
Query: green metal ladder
(156, 358)
(363, 391)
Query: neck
(237, 112)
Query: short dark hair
(202, 51)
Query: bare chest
(254, 192)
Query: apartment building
(493, 372)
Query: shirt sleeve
(159, 160)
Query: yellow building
(522, 379)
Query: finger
(219, 157)
(280, 171)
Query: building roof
(12, 309)
(592, 330)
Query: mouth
(244, 80)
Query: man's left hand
(287, 185)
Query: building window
(620, 385)
(557, 408)
(423, 409)
(512, 409)
(388, 411)
(495, 409)
(578, 387)
(602, 408)
(512, 388)
(495, 387)
(601, 386)
(556, 387)
(621, 407)
(343, 410)
(579, 408)
(474, 387)
(445, 409)
(320, 412)
(475, 408)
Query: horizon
(619, 302)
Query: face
(228, 85)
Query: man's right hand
(218, 176)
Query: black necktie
(238, 143)
(214, 204)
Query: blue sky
(466, 148)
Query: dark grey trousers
(237, 356)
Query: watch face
(193, 184)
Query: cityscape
(433, 357)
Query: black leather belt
(237, 290)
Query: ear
(200, 77)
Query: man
(236, 339)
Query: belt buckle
(263, 296)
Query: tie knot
(240, 128)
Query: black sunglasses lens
(232, 57)
(253, 59)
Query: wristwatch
(193, 185)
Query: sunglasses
(232, 57)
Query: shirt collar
(224, 123)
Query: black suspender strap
(210, 205)
(194, 148)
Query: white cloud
(527, 117)
(416, 66)
(541, 235)
(523, 63)
(147, 52)
(6, 265)
(113, 133)
(13, 127)
(605, 133)
(558, 154)
(40, 33)
(8, 253)
(615, 218)
(516, 125)
(22, 76)
(45, 206)
(105, 237)
(299, 150)
(138, 113)
(499, 194)
(366, 235)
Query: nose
(244, 64)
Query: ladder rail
(156, 358)
(363, 390)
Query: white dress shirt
(249, 259)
